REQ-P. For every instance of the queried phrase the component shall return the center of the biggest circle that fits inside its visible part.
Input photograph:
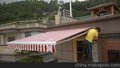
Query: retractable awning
(45, 42)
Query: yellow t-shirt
(91, 34)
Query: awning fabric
(44, 42)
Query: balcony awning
(45, 42)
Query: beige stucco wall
(1, 39)
(67, 19)
(4, 40)
(64, 52)
(95, 52)
(108, 25)
(22, 35)
(16, 35)
(59, 19)
(34, 33)
(67, 51)
(6, 51)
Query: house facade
(109, 38)
(71, 49)
(17, 30)
(106, 17)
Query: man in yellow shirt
(91, 37)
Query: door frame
(75, 47)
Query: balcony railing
(22, 25)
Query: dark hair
(98, 28)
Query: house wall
(6, 54)
(34, 33)
(16, 35)
(65, 52)
(104, 24)
(110, 45)
(108, 42)
(4, 50)
(4, 39)
(108, 26)
(94, 49)
(59, 19)
(17, 30)
(66, 19)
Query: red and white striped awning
(45, 42)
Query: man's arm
(95, 38)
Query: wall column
(2, 42)
(112, 10)
(75, 51)
(58, 18)
(95, 53)
(92, 13)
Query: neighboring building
(65, 39)
(104, 9)
(17, 30)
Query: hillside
(36, 10)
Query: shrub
(36, 59)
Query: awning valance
(45, 42)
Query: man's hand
(95, 39)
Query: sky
(8, 1)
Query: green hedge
(35, 59)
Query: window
(113, 55)
(27, 34)
(11, 39)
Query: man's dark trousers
(88, 46)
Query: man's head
(98, 29)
